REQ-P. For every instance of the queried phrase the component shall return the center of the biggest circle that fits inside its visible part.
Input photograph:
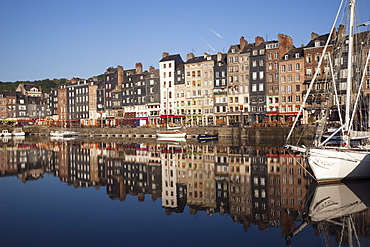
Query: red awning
(289, 114)
(271, 114)
(172, 116)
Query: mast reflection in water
(162, 194)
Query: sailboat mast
(352, 4)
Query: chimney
(341, 31)
(151, 69)
(259, 40)
(219, 56)
(285, 42)
(243, 43)
(139, 68)
(206, 55)
(120, 76)
(314, 35)
(189, 56)
(165, 54)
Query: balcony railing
(316, 91)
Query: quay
(241, 134)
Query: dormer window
(297, 55)
(317, 43)
(286, 57)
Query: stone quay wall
(237, 135)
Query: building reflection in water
(266, 186)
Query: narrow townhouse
(275, 50)
(257, 81)
(291, 84)
(238, 79)
(62, 110)
(180, 88)
(152, 83)
(78, 102)
(196, 87)
(167, 67)
(320, 97)
(112, 78)
(220, 89)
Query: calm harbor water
(95, 193)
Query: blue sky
(81, 38)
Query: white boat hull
(170, 134)
(337, 164)
(63, 134)
(329, 165)
(18, 132)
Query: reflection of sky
(48, 212)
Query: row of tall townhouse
(250, 83)
(26, 102)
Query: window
(254, 75)
(254, 87)
(290, 67)
(282, 68)
(309, 59)
(261, 75)
(260, 87)
(309, 72)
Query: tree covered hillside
(47, 85)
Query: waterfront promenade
(227, 134)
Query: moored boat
(63, 134)
(171, 134)
(5, 133)
(207, 137)
(344, 159)
(18, 132)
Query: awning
(289, 114)
(271, 114)
(172, 116)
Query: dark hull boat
(207, 137)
